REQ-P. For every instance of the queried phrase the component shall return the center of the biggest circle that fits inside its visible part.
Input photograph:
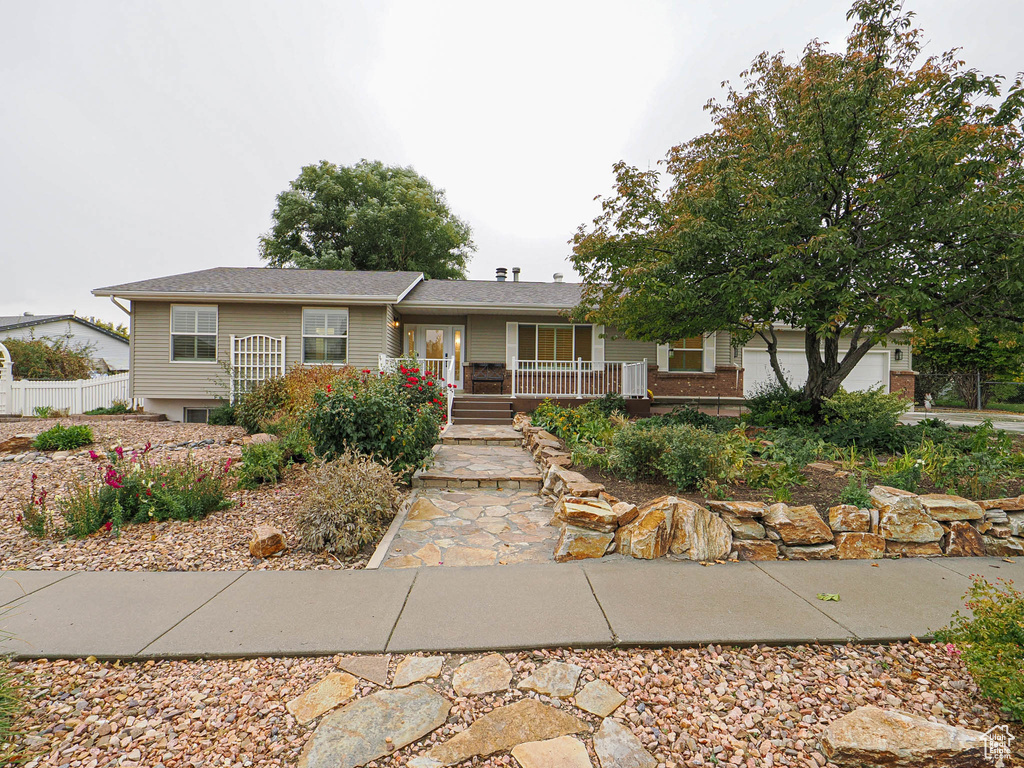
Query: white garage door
(871, 371)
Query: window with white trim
(686, 354)
(193, 333)
(325, 336)
(555, 343)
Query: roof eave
(448, 305)
(276, 298)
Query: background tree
(849, 194)
(946, 358)
(49, 358)
(366, 216)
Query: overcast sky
(140, 139)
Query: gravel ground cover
(750, 707)
(218, 542)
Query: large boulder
(559, 481)
(1016, 522)
(908, 523)
(963, 540)
(1012, 504)
(650, 535)
(797, 525)
(575, 543)
(1003, 547)
(743, 527)
(940, 506)
(859, 546)
(849, 518)
(753, 549)
(870, 737)
(698, 534)
(625, 512)
(739, 508)
(913, 548)
(266, 541)
(885, 499)
(586, 512)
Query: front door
(435, 345)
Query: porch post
(514, 366)
(579, 378)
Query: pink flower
(107, 526)
(227, 464)
(119, 451)
(94, 456)
(953, 651)
(148, 447)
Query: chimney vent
(558, 277)
(515, 274)
(500, 274)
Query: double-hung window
(325, 336)
(193, 333)
(555, 343)
(686, 354)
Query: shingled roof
(493, 293)
(258, 282)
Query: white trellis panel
(255, 359)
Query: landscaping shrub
(223, 416)
(774, 406)
(287, 397)
(10, 702)
(695, 456)
(612, 402)
(61, 438)
(856, 493)
(261, 404)
(872, 405)
(903, 472)
(685, 414)
(584, 423)
(45, 358)
(129, 489)
(349, 504)
(991, 642)
(46, 412)
(636, 451)
(116, 408)
(262, 463)
(393, 417)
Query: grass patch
(10, 705)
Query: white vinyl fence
(76, 397)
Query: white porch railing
(442, 369)
(578, 378)
(76, 397)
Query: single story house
(199, 336)
(109, 350)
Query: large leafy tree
(964, 357)
(366, 216)
(850, 194)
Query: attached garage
(872, 371)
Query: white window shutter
(511, 343)
(709, 352)
(663, 357)
(597, 351)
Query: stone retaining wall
(899, 523)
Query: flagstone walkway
(477, 504)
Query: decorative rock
(847, 518)
(913, 548)
(506, 727)
(586, 513)
(983, 526)
(940, 506)
(885, 498)
(1016, 522)
(563, 752)
(261, 438)
(559, 481)
(625, 512)
(372, 668)
(739, 508)
(555, 678)
(483, 675)
(1013, 504)
(335, 689)
(698, 534)
(908, 525)
(374, 726)
(859, 546)
(870, 736)
(413, 669)
(743, 527)
(997, 516)
(1000, 531)
(815, 552)
(266, 541)
(648, 537)
(756, 550)
(617, 747)
(963, 540)
(599, 698)
(581, 543)
(797, 525)
(1003, 547)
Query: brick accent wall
(903, 381)
(726, 381)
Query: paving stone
(335, 689)
(463, 556)
(483, 675)
(414, 669)
(429, 554)
(599, 698)
(555, 678)
(424, 509)
(506, 727)
(372, 668)
(374, 726)
(563, 752)
(403, 561)
(617, 747)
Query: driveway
(1005, 421)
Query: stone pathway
(480, 466)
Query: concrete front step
(511, 441)
(505, 484)
(497, 421)
(481, 413)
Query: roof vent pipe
(558, 277)
(500, 274)
(515, 274)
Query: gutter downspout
(113, 300)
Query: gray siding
(627, 350)
(485, 335)
(393, 331)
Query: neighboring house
(109, 350)
(196, 337)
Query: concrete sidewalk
(612, 601)
(1007, 422)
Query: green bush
(262, 463)
(685, 414)
(223, 416)
(259, 406)
(694, 456)
(773, 406)
(872, 405)
(991, 642)
(116, 408)
(349, 504)
(585, 423)
(396, 418)
(636, 451)
(61, 438)
(53, 359)
(856, 493)
(612, 402)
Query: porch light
(898, 355)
